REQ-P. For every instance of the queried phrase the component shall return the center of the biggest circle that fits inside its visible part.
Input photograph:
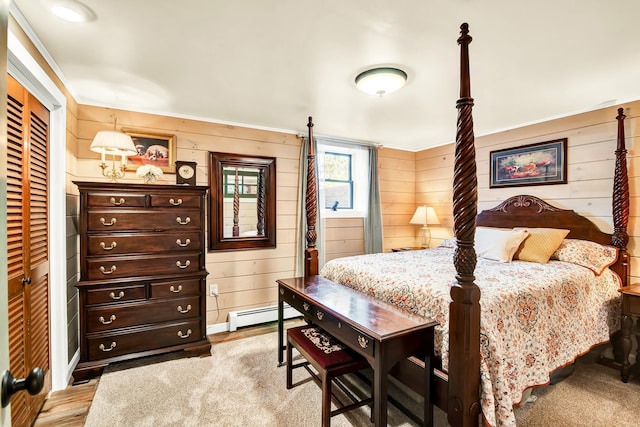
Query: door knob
(33, 384)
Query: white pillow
(499, 244)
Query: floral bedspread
(535, 318)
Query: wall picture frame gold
(157, 149)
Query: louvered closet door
(27, 245)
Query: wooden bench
(331, 359)
(381, 333)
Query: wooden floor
(69, 407)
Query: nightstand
(408, 248)
(630, 309)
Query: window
(338, 185)
(343, 171)
(247, 182)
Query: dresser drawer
(113, 244)
(105, 346)
(342, 331)
(115, 294)
(175, 288)
(295, 301)
(631, 305)
(125, 315)
(345, 333)
(115, 200)
(176, 200)
(142, 265)
(143, 220)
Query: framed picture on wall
(155, 149)
(533, 164)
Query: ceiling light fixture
(72, 11)
(381, 81)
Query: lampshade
(381, 81)
(114, 143)
(424, 215)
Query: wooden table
(630, 309)
(382, 333)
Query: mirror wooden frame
(217, 239)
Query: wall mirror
(242, 214)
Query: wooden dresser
(142, 272)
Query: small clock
(185, 173)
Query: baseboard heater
(255, 316)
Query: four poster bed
(523, 331)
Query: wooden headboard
(530, 211)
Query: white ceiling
(273, 63)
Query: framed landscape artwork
(153, 149)
(533, 164)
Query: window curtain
(373, 221)
(302, 214)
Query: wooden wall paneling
(396, 175)
(591, 144)
(343, 237)
(230, 270)
(406, 178)
(396, 172)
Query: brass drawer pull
(305, 305)
(103, 245)
(364, 343)
(107, 322)
(320, 315)
(175, 203)
(186, 242)
(181, 222)
(118, 203)
(281, 291)
(107, 224)
(186, 264)
(103, 348)
(120, 295)
(183, 336)
(184, 311)
(174, 290)
(111, 270)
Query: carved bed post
(235, 231)
(620, 202)
(464, 310)
(311, 203)
(260, 204)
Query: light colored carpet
(240, 385)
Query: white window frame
(359, 175)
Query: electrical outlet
(213, 290)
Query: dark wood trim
(265, 203)
(620, 203)
(311, 203)
(464, 310)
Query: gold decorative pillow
(540, 244)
